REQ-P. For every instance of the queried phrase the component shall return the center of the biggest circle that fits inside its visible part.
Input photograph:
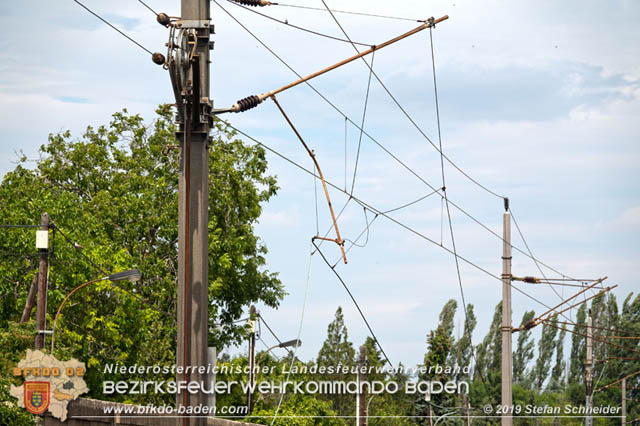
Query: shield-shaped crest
(36, 397)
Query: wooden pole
(41, 308)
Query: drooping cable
(364, 318)
(378, 143)
(380, 212)
(406, 113)
(446, 203)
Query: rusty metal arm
(312, 154)
(254, 100)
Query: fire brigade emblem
(36, 396)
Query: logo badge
(36, 396)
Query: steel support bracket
(197, 24)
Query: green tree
(578, 346)
(557, 381)
(337, 350)
(523, 353)
(440, 346)
(464, 346)
(546, 350)
(114, 192)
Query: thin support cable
(148, 7)
(364, 115)
(373, 15)
(354, 242)
(406, 114)
(380, 212)
(307, 30)
(115, 28)
(364, 318)
(295, 350)
(378, 143)
(446, 203)
(315, 196)
(345, 153)
(414, 201)
(515, 222)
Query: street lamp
(289, 343)
(130, 275)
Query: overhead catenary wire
(530, 252)
(297, 27)
(148, 7)
(355, 302)
(114, 27)
(364, 115)
(613, 330)
(378, 143)
(595, 339)
(373, 15)
(446, 202)
(378, 211)
(430, 24)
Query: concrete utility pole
(42, 243)
(507, 354)
(589, 371)
(193, 113)
(252, 357)
(624, 402)
(362, 395)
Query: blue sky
(539, 101)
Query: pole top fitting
(506, 204)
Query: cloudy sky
(539, 101)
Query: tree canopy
(112, 197)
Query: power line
(364, 115)
(378, 143)
(115, 28)
(406, 114)
(531, 253)
(364, 318)
(446, 201)
(292, 25)
(593, 337)
(413, 202)
(351, 13)
(377, 211)
(148, 7)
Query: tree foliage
(113, 192)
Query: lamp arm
(55, 321)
